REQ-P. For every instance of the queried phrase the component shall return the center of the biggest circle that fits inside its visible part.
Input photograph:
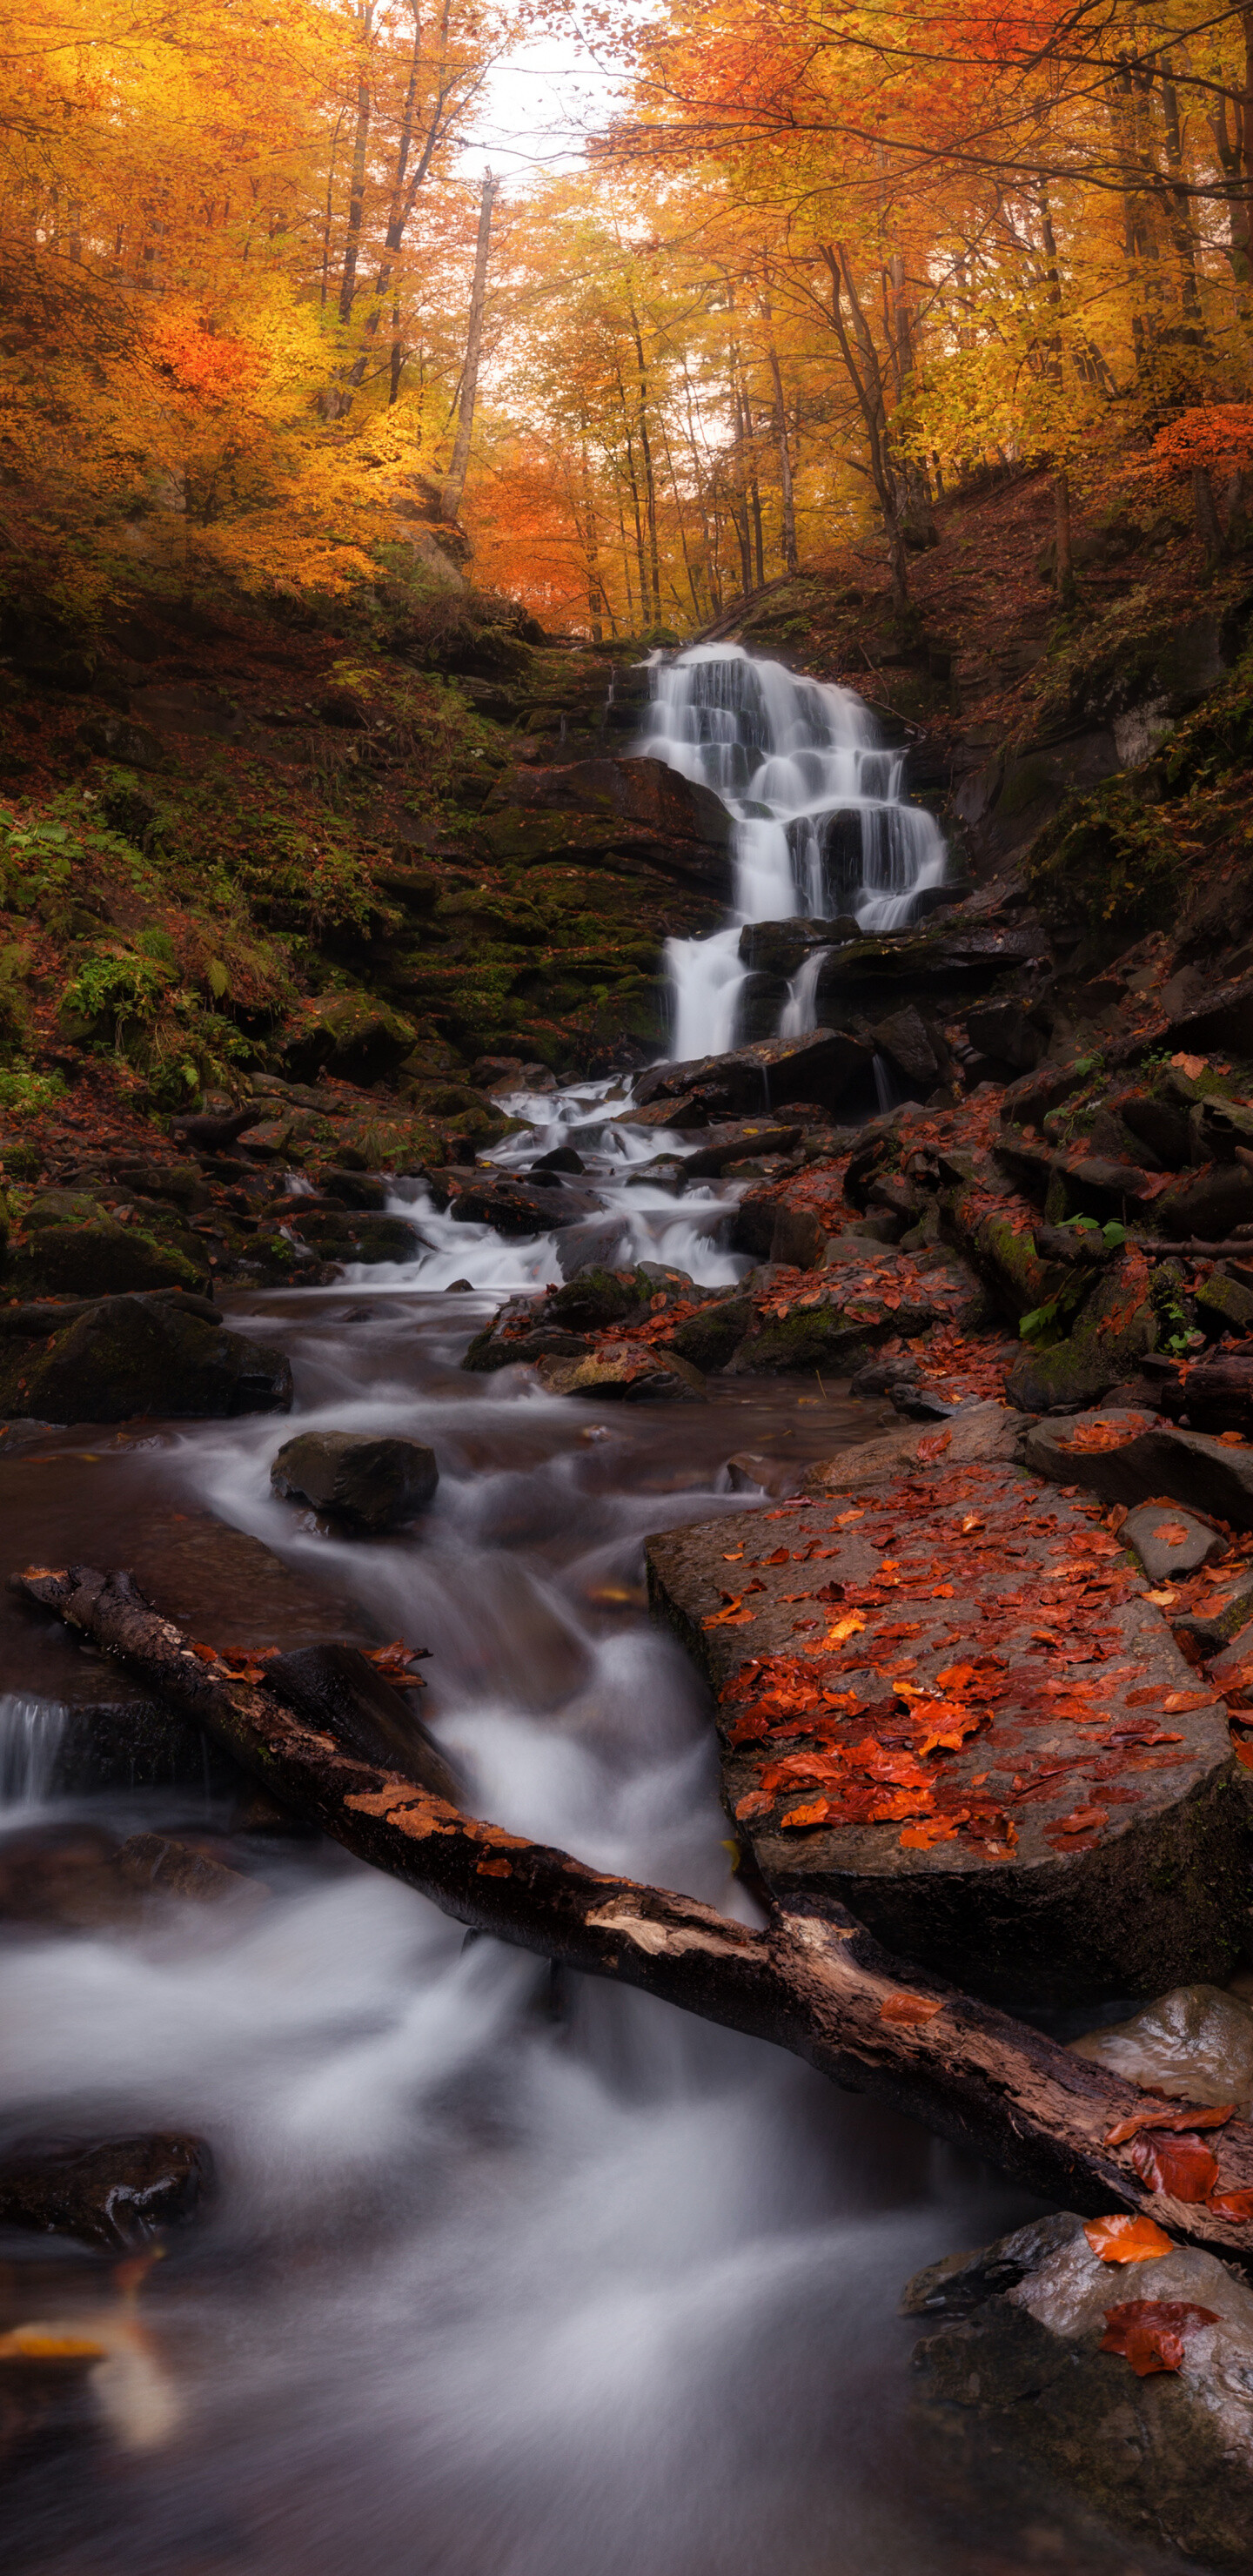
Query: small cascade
(800, 1011)
(820, 826)
(32, 1732)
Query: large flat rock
(1129, 1457)
(946, 1701)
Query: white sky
(535, 110)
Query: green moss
(1108, 862)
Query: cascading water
(819, 824)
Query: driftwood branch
(820, 1986)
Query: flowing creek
(507, 2273)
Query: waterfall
(32, 1732)
(819, 826)
(800, 1011)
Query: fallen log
(819, 1985)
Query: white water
(819, 826)
(32, 1732)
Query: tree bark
(820, 1986)
(866, 377)
(456, 482)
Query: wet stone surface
(948, 1703)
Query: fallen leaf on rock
(1123, 2239)
(923, 1837)
(1232, 1439)
(909, 2008)
(1101, 1435)
(933, 1444)
(846, 1627)
(1192, 1065)
(1083, 1820)
(1183, 2166)
(801, 1819)
(1176, 1701)
(1171, 2115)
(1151, 2333)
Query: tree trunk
(1064, 575)
(866, 377)
(787, 530)
(646, 454)
(1205, 510)
(820, 1986)
(456, 482)
(356, 185)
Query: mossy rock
(352, 1035)
(709, 1340)
(823, 1337)
(130, 1356)
(1107, 862)
(1116, 1330)
(70, 1247)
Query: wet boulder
(367, 1482)
(1194, 2044)
(1041, 2366)
(523, 1331)
(71, 1246)
(710, 1338)
(1206, 1205)
(749, 1080)
(832, 1328)
(165, 1865)
(514, 1207)
(625, 1372)
(735, 1142)
(1116, 1327)
(128, 1356)
(359, 1235)
(902, 1037)
(114, 2192)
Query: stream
(507, 2273)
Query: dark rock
(342, 707)
(766, 1076)
(594, 1297)
(115, 2192)
(211, 1133)
(1169, 2456)
(1222, 1024)
(903, 1039)
(879, 1377)
(778, 948)
(1146, 1462)
(1084, 1249)
(72, 1247)
(350, 1035)
(710, 1339)
(119, 738)
(563, 1158)
(747, 1136)
(799, 1238)
(335, 1687)
(133, 1356)
(824, 1336)
(519, 1335)
(1115, 1329)
(359, 1237)
(1086, 1185)
(1226, 1304)
(510, 1206)
(369, 1482)
(1208, 1205)
(354, 1189)
(1007, 1032)
(1170, 1544)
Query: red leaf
(1172, 2115)
(1237, 2205)
(1182, 2166)
(909, 2008)
(1121, 2239)
(1151, 2333)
